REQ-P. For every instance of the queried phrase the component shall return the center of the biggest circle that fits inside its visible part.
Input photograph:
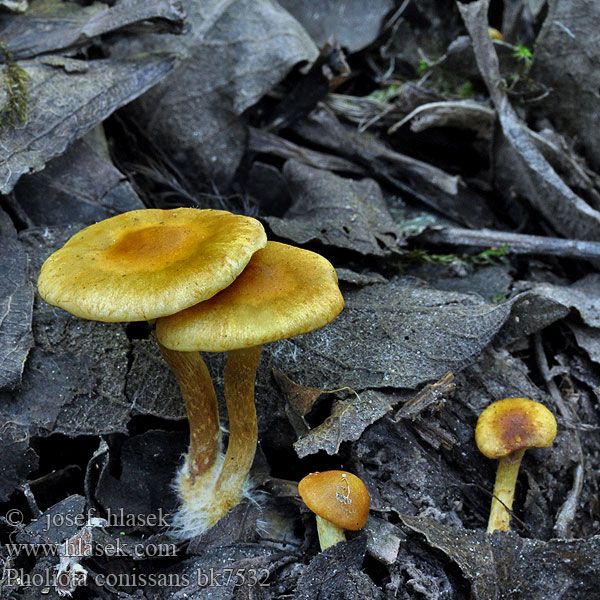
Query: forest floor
(444, 157)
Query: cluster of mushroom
(214, 284)
(504, 430)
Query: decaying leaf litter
(452, 180)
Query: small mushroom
(284, 291)
(340, 501)
(504, 430)
(495, 34)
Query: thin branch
(566, 514)
(516, 243)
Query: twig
(487, 113)
(516, 243)
(269, 143)
(33, 506)
(432, 393)
(566, 514)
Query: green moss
(465, 90)
(15, 83)
(491, 256)
(384, 94)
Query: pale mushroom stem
(239, 375)
(504, 491)
(202, 409)
(329, 534)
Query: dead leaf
(363, 278)
(49, 26)
(490, 282)
(336, 211)
(55, 524)
(346, 20)
(74, 378)
(581, 295)
(348, 419)
(232, 53)
(82, 186)
(589, 339)
(268, 189)
(300, 398)
(64, 105)
(150, 385)
(399, 334)
(323, 128)
(504, 566)
(269, 143)
(16, 302)
(17, 459)
(383, 540)
(335, 575)
(563, 47)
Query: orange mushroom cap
(514, 424)
(148, 263)
(284, 291)
(337, 496)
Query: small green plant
(423, 66)
(518, 83)
(523, 53)
(15, 83)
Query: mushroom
(495, 34)
(504, 430)
(284, 291)
(145, 264)
(150, 263)
(340, 501)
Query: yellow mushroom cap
(284, 291)
(149, 263)
(495, 34)
(337, 496)
(514, 424)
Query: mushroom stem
(504, 491)
(202, 409)
(239, 374)
(329, 534)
